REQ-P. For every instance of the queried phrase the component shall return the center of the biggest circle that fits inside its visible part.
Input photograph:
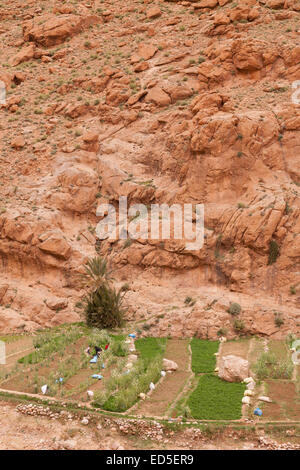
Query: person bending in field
(98, 351)
(88, 351)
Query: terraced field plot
(203, 358)
(280, 381)
(57, 358)
(15, 348)
(124, 387)
(59, 353)
(166, 392)
(238, 347)
(215, 399)
(193, 390)
(211, 398)
(286, 401)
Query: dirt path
(23, 432)
(30, 395)
(166, 392)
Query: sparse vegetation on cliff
(234, 309)
(273, 252)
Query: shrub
(189, 301)
(293, 290)
(273, 252)
(278, 319)
(234, 309)
(222, 332)
(238, 324)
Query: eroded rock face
(78, 187)
(169, 109)
(233, 368)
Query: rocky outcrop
(52, 30)
(54, 243)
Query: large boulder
(55, 244)
(233, 368)
(158, 96)
(169, 365)
(51, 30)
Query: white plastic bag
(152, 386)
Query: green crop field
(149, 348)
(215, 399)
(203, 358)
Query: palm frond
(97, 272)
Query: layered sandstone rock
(194, 105)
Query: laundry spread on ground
(97, 376)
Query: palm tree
(97, 272)
(102, 305)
